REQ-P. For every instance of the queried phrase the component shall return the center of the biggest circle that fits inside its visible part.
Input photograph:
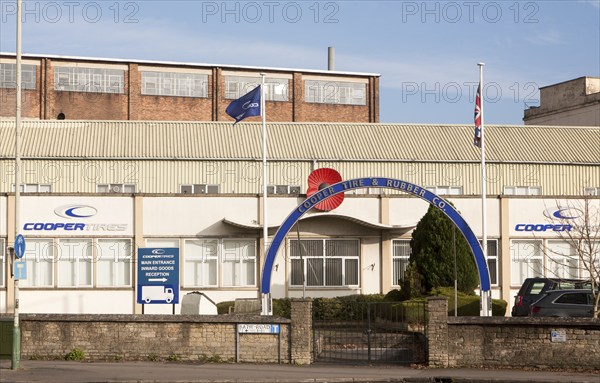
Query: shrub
(75, 354)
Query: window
(591, 191)
(239, 262)
(8, 76)
(93, 80)
(446, 190)
(526, 260)
(328, 263)
(2, 262)
(276, 89)
(34, 188)
(159, 242)
(400, 258)
(590, 255)
(39, 256)
(200, 263)
(561, 260)
(113, 260)
(199, 189)
(573, 298)
(522, 190)
(335, 92)
(116, 188)
(75, 260)
(175, 84)
(492, 260)
(283, 189)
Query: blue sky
(426, 51)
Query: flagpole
(485, 297)
(16, 338)
(266, 299)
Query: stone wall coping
(160, 318)
(437, 298)
(526, 321)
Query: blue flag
(246, 106)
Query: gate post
(301, 338)
(437, 331)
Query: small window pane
(113, 259)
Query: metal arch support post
(389, 183)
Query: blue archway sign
(389, 183)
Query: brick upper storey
(76, 88)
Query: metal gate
(382, 332)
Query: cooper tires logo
(560, 212)
(75, 211)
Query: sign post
(158, 275)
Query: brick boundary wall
(510, 342)
(154, 337)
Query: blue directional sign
(20, 270)
(19, 246)
(158, 275)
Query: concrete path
(146, 372)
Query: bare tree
(577, 223)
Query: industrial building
(85, 88)
(94, 192)
(569, 103)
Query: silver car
(563, 304)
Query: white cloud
(545, 38)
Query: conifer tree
(432, 255)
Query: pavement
(161, 372)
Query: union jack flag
(477, 137)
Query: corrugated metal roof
(299, 141)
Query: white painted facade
(91, 267)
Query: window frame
(537, 256)
(33, 266)
(514, 190)
(335, 92)
(110, 188)
(77, 259)
(324, 257)
(236, 86)
(2, 263)
(404, 260)
(89, 80)
(174, 84)
(114, 264)
(8, 76)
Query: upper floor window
(34, 188)
(115, 188)
(276, 89)
(446, 190)
(199, 189)
(174, 84)
(522, 190)
(93, 80)
(283, 189)
(592, 191)
(8, 76)
(335, 92)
